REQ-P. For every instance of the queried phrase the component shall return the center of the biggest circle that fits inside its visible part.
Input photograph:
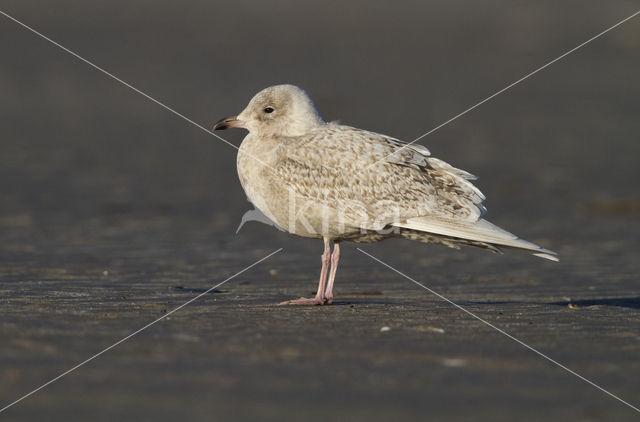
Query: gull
(338, 183)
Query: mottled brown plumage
(331, 181)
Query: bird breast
(258, 163)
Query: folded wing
(481, 231)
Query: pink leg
(320, 298)
(335, 258)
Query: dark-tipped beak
(226, 123)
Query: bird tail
(480, 231)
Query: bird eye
(268, 109)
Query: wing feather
(406, 187)
(332, 165)
(481, 231)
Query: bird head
(280, 110)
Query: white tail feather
(480, 230)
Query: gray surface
(108, 202)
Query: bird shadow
(367, 297)
(622, 302)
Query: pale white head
(283, 110)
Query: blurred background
(114, 210)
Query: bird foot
(304, 301)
